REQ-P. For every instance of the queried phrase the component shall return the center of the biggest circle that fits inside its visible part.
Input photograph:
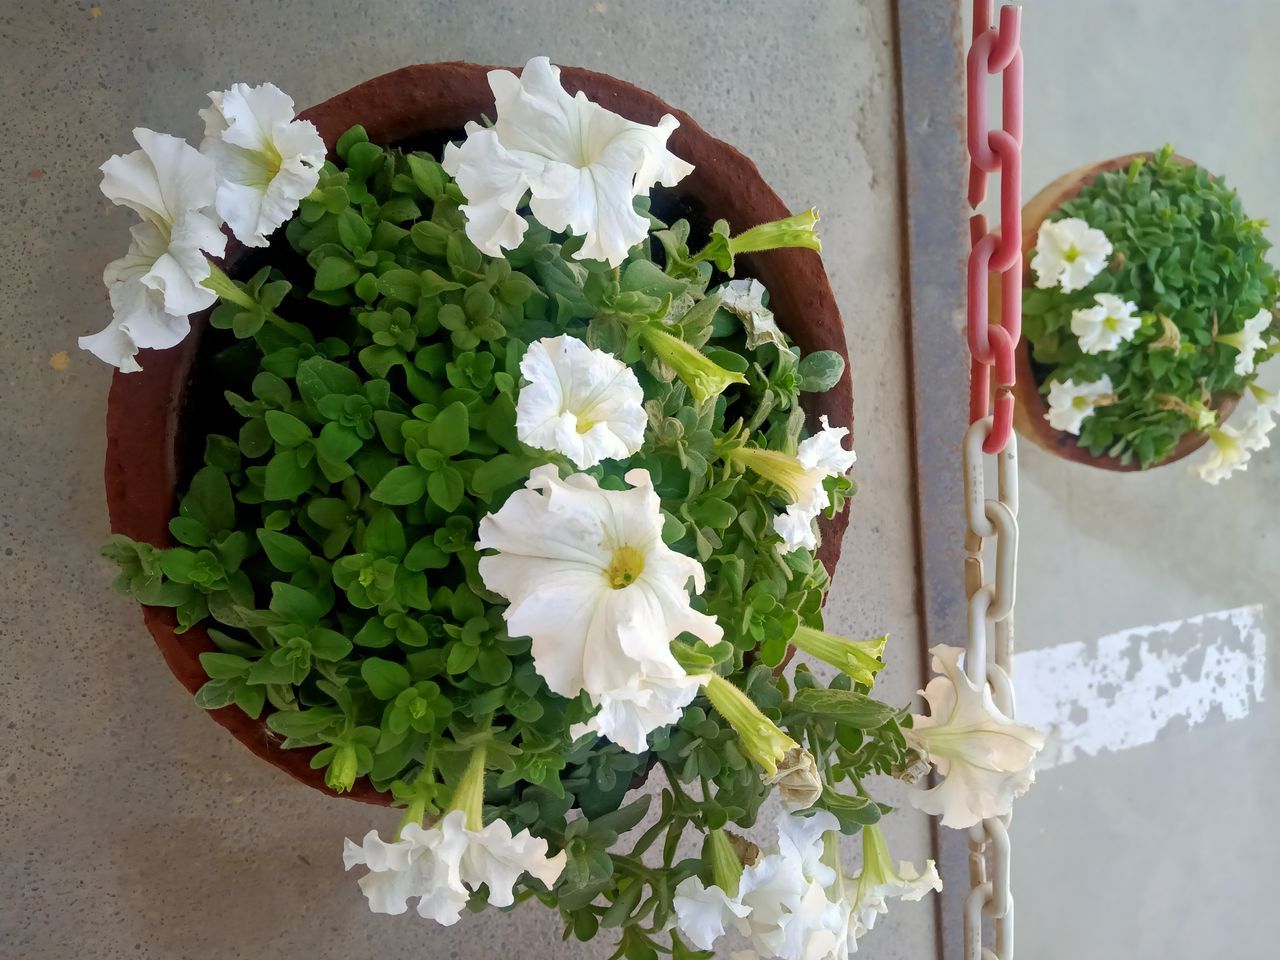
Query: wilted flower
(1069, 253)
(1070, 404)
(267, 161)
(1104, 327)
(745, 299)
(583, 403)
(983, 756)
(582, 165)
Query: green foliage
(328, 543)
(1184, 251)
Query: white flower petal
(1231, 451)
(703, 913)
(1069, 253)
(647, 702)
(1102, 328)
(112, 345)
(824, 450)
(1070, 404)
(492, 857)
(581, 164)
(800, 840)
(589, 579)
(267, 161)
(583, 403)
(160, 182)
(984, 757)
(795, 527)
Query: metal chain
(994, 50)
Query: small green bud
(719, 855)
(794, 231)
(760, 737)
(341, 772)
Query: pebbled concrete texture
(130, 825)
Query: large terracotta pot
(1030, 406)
(426, 104)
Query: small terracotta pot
(1030, 407)
(427, 104)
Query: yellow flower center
(1111, 323)
(1071, 254)
(625, 567)
(585, 425)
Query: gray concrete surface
(1166, 849)
(130, 825)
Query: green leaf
(208, 501)
(353, 232)
(319, 377)
(297, 605)
(349, 139)
(217, 694)
(335, 273)
(385, 678)
(337, 443)
(286, 429)
(286, 478)
(287, 554)
(405, 484)
(251, 699)
(449, 431)
(224, 666)
(820, 371)
(402, 285)
(844, 706)
(427, 175)
(328, 644)
(384, 536)
(446, 488)
(853, 812)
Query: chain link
(992, 521)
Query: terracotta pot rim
(1030, 407)
(145, 409)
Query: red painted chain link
(995, 50)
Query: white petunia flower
(824, 450)
(1255, 435)
(1070, 404)
(582, 164)
(415, 866)
(984, 757)
(590, 580)
(878, 880)
(817, 458)
(1069, 253)
(745, 299)
(267, 161)
(1248, 341)
(492, 856)
(703, 913)
(1102, 328)
(652, 698)
(583, 403)
(792, 915)
(1231, 452)
(158, 283)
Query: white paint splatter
(1122, 690)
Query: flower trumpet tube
(726, 868)
(802, 486)
(794, 231)
(705, 379)
(860, 659)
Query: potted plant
(487, 487)
(1148, 307)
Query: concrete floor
(130, 825)
(1167, 848)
